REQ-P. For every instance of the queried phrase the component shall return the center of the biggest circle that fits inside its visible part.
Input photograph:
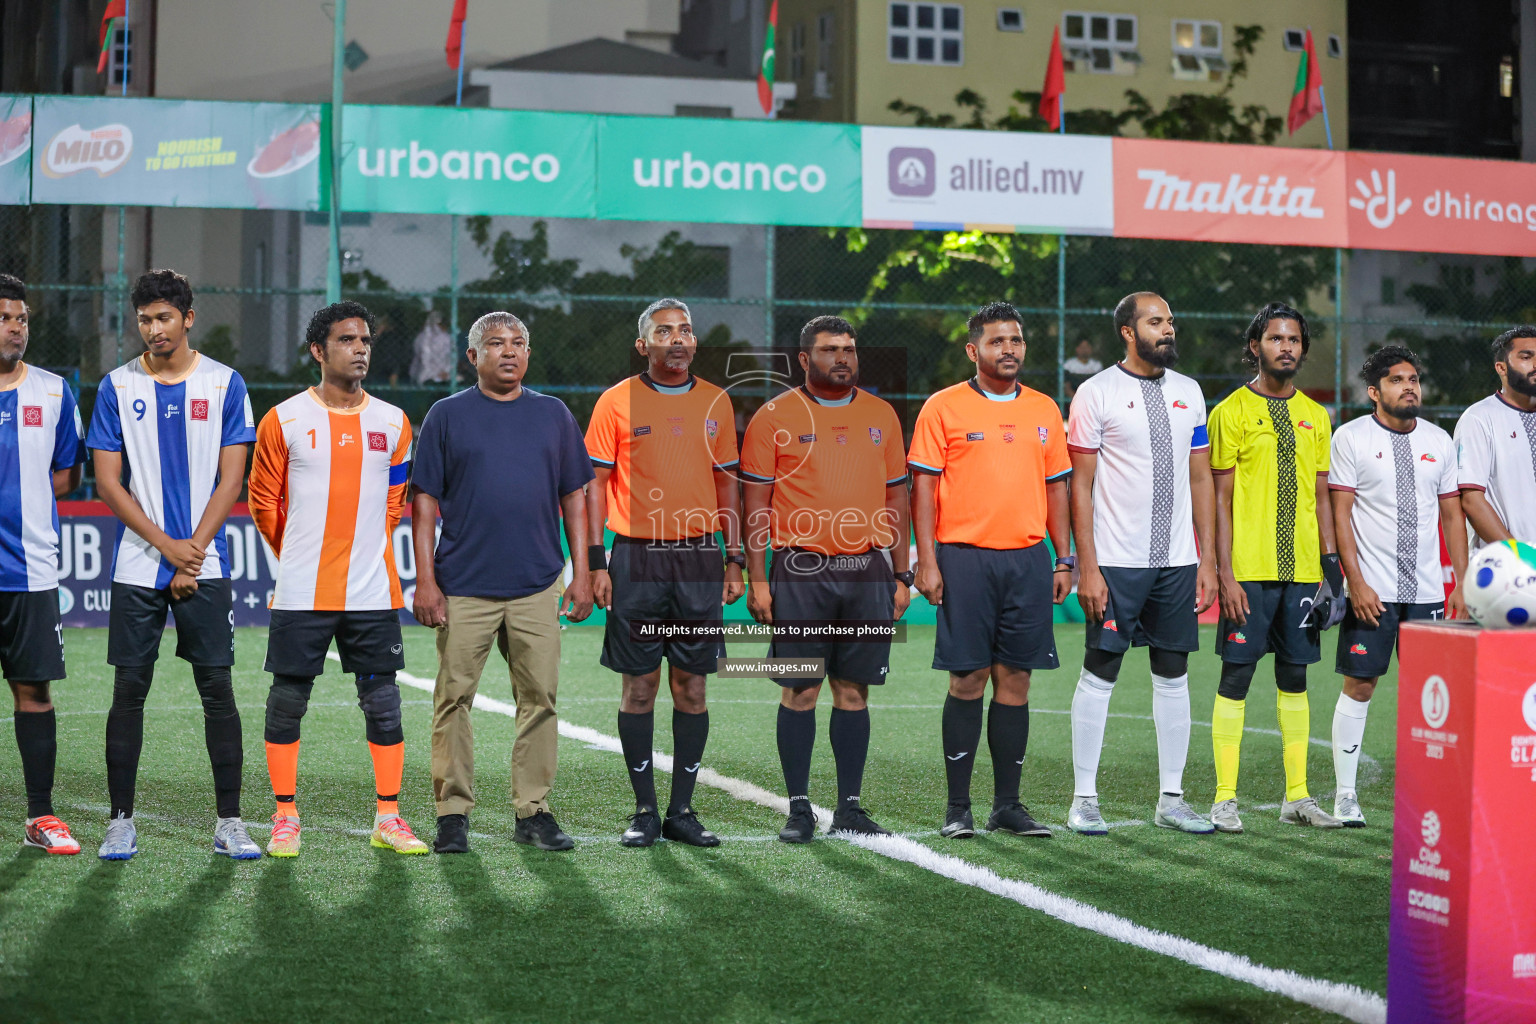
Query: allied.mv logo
(911, 171)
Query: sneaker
(1173, 812)
(857, 821)
(122, 840)
(1224, 817)
(285, 836)
(1016, 818)
(542, 833)
(230, 840)
(1347, 809)
(1085, 819)
(958, 823)
(684, 827)
(452, 834)
(51, 834)
(1306, 812)
(801, 824)
(390, 832)
(644, 829)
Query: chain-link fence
(580, 284)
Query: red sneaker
(51, 834)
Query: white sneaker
(1084, 817)
(1347, 809)
(1306, 812)
(231, 840)
(1173, 812)
(122, 840)
(1224, 817)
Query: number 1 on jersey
(311, 437)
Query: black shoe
(644, 828)
(684, 827)
(854, 819)
(801, 826)
(452, 834)
(1015, 818)
(958, 823)
(541, 832)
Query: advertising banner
(728, 172)
(143, 152)
(453, 160)
(15, 150)
(1441, 204)
(1212, 192)
(936, 178)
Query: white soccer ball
(1500, 590)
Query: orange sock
(388, 766)
(283, 766)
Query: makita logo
(728, 175)
(75, 149)
(1262, 198)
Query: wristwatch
(737, 559)
(907, 577)
(1067, 562)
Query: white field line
(1349, 1001)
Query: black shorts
(997, 608)
(31, 636)
(205, 625)
(1147, 608)
(657, 580)
(369, 642)
(1276, 612)
(1365, 652)
(810, 587)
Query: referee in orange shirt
(990, 466)
(826, 485)
(663, 446)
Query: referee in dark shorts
(990, 467)
(826, 484)
(663, 448)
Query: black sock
(797, 737)
(125, 734)
(221, 733)
(689, 734)
(636, 733)
(1007, 736)
(849, 733)
(962, 736)
(37, 739)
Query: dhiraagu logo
(748, 172)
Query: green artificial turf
(752, 931)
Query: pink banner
(1441, 204)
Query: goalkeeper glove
(1329, 605)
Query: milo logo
(75, 149)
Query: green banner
(15, 150)
(141, 152)
(724, 171)
(469, 161)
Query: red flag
(765, 69)
(453, 48)
(115, 9)
(1055, 84)
(1307, 95)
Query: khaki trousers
(527, 631)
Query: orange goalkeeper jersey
(327, 488)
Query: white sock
(1348, 733)
(1090, 710)
(1170, 716)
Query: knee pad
(1104, 664)
(379, 697)
(1290, 678)
(130, 686)
(286, 703)
(1169, 664)
(215, 689)
(1235, 680)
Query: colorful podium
(1463, 932)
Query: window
(1010, 19)
(120, 58)
(797, 51)
(1335, 47)
(1197, 51)
(928, 33)
(1101, 43)
(822, 87)
(1295, 39)
(1506, 77)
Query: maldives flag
(115, 9)
(453, 48)
(765, 73)
(1055, 84)
(1307, 96)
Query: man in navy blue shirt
(502, 464)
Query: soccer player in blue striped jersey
(40, 458)
(170, 434)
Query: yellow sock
(1227, 739)
(1295, 729)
